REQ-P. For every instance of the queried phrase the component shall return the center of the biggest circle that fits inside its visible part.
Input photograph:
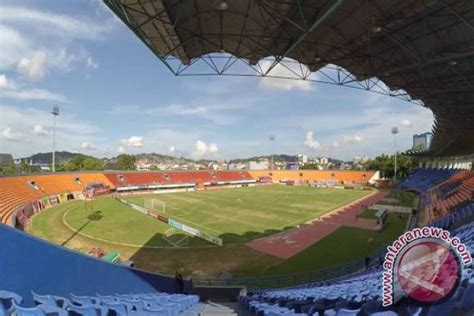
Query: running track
(290, 242)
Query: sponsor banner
(78, 195)
(154, 215)
(54, 199)
(100, 191)
(129, 188)
(63, 197)
(192, 231)
(175, 224)
(163, 219)
(46, 201)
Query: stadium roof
(412, 49)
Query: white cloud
(12, 136)
(13, 46)
(286, 69)
(90, 63)
(32, 94)
(352, 139)
(221, 114)
(406, 123)
(70, 130)
(310, 142)
(172, 149)
(132, 141)
(88, 146)
(25, 31)
(121, 149)
(40, 130)
(202, 149)
(3, 81)
(58, 24)
(33, 67)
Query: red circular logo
(428, 271)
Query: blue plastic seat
(466, 301)
(43, 299)
(157, 311)
(62, 301)
(387, 313)
(84, 300)
(6, 302)
(119, 308)
(23, 311)
(348, 312)
(85, 310)
(49, 309)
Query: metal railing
(296, 279)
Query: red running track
(290, 242)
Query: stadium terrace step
(209, 308)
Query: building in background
(302, 159)
(261, 164)
(422, 141)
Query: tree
(11, 169)
(24, 167)
(310, 166)
(79, 163)
(90, 163)
(126, 162)
(386, 165)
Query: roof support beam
(431, 61)
(328, 8)
(459, 15)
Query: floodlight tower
(55, 112)
(395, 132)
(271, 138)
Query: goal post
(155, 206)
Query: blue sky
(116, 96)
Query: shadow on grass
(76, 232)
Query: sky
(116, 97)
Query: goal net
(155, 206)
(176, 238)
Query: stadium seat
(359, 294)
(24, 311)
(50, 309)
(7, 300)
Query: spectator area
(360, 295)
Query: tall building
(302, 159)
(422, 141)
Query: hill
(6, 160)
(276, 158)
(47, 157)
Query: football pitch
(236, 215)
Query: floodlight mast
(55, 112)
(395, 132)
(272, 139)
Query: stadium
(266, 241)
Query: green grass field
(368, 213)
(238, 214)
(235, 215)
